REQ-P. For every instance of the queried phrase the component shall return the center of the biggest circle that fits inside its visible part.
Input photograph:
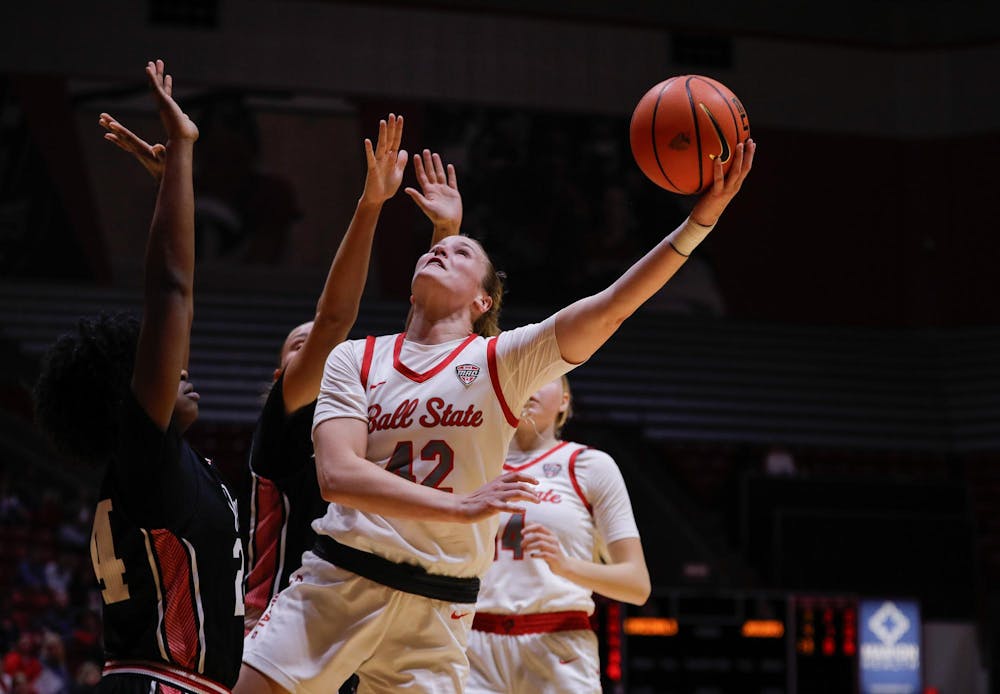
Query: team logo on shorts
(467, 373)
(551, 469)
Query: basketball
(680, 127)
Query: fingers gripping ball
(680, 126)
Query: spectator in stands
(31, 568)
(21, 665)
(75, 528)
(54, 677)
(58, 575)
(87, 677)
(12, 510)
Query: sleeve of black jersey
(156, 481)
(282, 442)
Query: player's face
(543, 407)
(455, 265)
(294, 342)
(186, 406)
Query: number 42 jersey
(438, 415)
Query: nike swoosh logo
(723, 142)
(459, 615)
(376, 385)
(564, 661)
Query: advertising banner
(890, 655)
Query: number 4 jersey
(584, 502)
(169, 561)
(438, 415)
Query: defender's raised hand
(150, 156)
(175, 121)
(386, 161)
(438, 196)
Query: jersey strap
(408, 578)
(539, 623)
(576, 484)
(491, 361)
(366, 362)
(165, 674)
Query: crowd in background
(49, 602)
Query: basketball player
(285, 496)
(390, 587)
(531, 633)
(165, 545)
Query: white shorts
(329, 623)
(566, 662)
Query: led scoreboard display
(684, 642)
(752, 643)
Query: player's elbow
(333, 483)
(334, 324)
(640, 590)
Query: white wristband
(685, 238)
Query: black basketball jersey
(167, 554)
(284, 499)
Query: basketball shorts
(329, 623)
(558, 662)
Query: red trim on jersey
(421, 377)
(546, 454)
(268, 526)
(366, 362)
(164, 674)
(180, 611)
(491, 361)
(539, 623)
(572, 478)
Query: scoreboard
(683, 642)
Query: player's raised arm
(168, 302)
(438, 196)
(582, 327)
(337, 307)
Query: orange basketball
(680, 126)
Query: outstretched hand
(386, 161)
(438, 196)
(175, 121)
(713, 201)
(500, 494)
(152, 157)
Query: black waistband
(408, 578)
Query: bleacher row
(677, 378)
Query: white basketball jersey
(437, 415)
(584, 503)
